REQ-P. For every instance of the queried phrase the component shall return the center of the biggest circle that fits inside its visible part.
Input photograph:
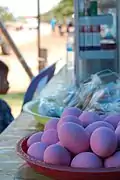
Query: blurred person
(53, 24)
(69, 24)
(60, 25)
(4, 46)
(4, 84)
(5, 111)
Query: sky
(28, 7)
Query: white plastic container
(70, 53)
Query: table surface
(11, 166)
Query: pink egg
(50, 137)
(103, 142)
(71, 111)
(57, 155)
(34, 138)
(73, 137)
(103, 116)
(59, 143)
(113, 119)
(37, 150)
(51, 124)
(87, 118)
(68, 119)
(86, 160)
(92, 127)
(117, 132)
(118, 124)
(113, 161)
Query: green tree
(5, 14)
(64, 8)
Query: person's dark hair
(4, 67)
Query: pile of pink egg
(78, 140)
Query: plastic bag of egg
(79, 140)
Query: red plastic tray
(66, 173)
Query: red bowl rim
(36, 162)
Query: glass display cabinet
(96, 37)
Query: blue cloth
(5, 115)
(53, 23)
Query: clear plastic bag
(87, 90)
(72, 97)
(107, 99)
(101, 93)
(54, 105)
(49, 107)
(107, 108)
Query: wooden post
(38, 33)
(16, 51)
(42, 60)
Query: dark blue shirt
(5, 115)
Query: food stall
(87, 144)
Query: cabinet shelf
(94, 54)
(96, 20)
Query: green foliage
(63, 9)
(5, 14)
